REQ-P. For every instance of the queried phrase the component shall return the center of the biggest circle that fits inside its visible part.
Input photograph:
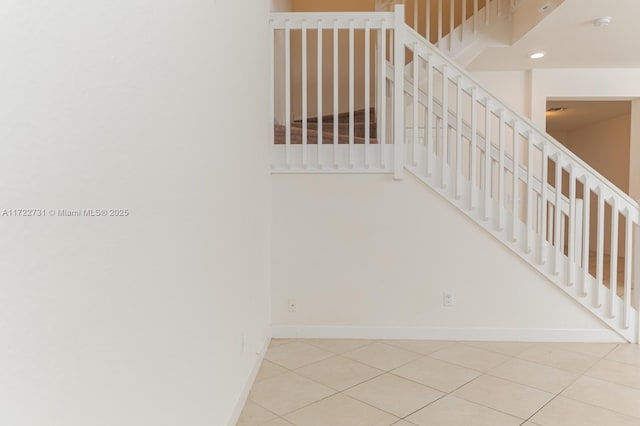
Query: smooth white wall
(512, 87)
(362, 254)
(159, 108)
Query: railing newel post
(398, 93)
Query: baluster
(464, 19)
(563, 224)
(600, 254)
(427, 30)
(501, 155)
(451, 23)
(474, 148)
(351, 92)
(499, 8)
(585, 234)
(550, 214)
(304, 93)
(415, 15)
(558, 215)
(487, 158)
(382, 92)
(572, 225)
(516, 181)
(272, 89)
(543, 203)
(392, 35)
(628, 268)
(335, 93)
(319, 94)
(439, 22)
(530, 212)
(445, 126)
(438, 131)
(458, 171)
(429, 123)
(287, 92)
(613, 258)
(416, 82)
(475, 16)
(487, 12)
(398, 104)
(367, 91)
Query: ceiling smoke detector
(602, 22)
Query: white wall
(364, 255)
(143, 106)
(512, 87)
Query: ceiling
(570, 39)
(581, 113)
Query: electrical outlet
(447, 299)
(243, 342)
(293, 306)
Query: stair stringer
(533, 257)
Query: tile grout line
(628, 416)
(487, 373)
(555, 396)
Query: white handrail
(583, 168)
(343, 19)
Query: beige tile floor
(311, 382)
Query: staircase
(465, 28)
(422, 114)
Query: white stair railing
(453, 25)
(434, 120)
(456, 165)
(328, 42)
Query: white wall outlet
(243, 343)
(293, 306)
(447, 299)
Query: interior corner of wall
(538, 101)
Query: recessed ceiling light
(602, 22)
(556, 109)
(537, 55)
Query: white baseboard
(448, 333)
(247, 387)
